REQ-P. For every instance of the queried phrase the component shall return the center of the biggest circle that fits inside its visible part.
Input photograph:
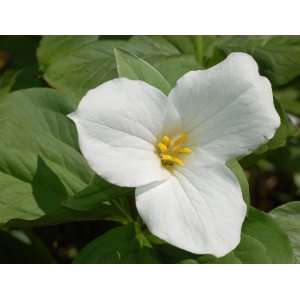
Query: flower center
(172, 150)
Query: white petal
(199, 209)
(118, 125)
(228, 109)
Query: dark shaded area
(65, 241)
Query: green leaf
(132, 67)
(164, 56)
(53, 48)
(33, 124)
(228, 259)
(249, 251)
(289, 97)
(285, 131)
(278, 56)
(7, 80)
(262, 241)
(75, 65)
(236, 168)
(202, 47)
(288, 218)
(118, 245)
(174, 67)
(112, 202)
(264, 229)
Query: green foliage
(285, 130)
(288, 218)
(249, 251)
(135, 68)
(262, 241)
(265, 230)
(46, 133)
(289, 97)
(44, 179)
(75, 65)
(236, 168)
(119, 245)
(78, 64)
(22, 63)
(112, 202)
(277, 56)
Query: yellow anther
(166, 140)
(178, 161)
(171, 150)
(185, 150)
(181, 139)
(162, 147)
(166, 157)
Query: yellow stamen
(178, 161)
(185, 150)
(166, 140)
(172, 151)
(181, 139)
(162, 147)
(166, 157)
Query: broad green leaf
(118, 245)
(264, 229)
(202, 47)
(236, 168)
(163, 55)
(132, 67)
(249, 251)
(278, 56)
(49, 193)
(174, 67)
(262, 241)
(228, 259)
(288, 218)
(184, 43)
(112, 202)
(53, 48)
(33, 124)
(77, 64)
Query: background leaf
(78, 64)
(118, 245)
(236, 168)
(278, 56)
(112, 202)
(288, 218)
(75, 65)
(46, 133)
(132, 67)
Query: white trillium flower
(174, 148)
